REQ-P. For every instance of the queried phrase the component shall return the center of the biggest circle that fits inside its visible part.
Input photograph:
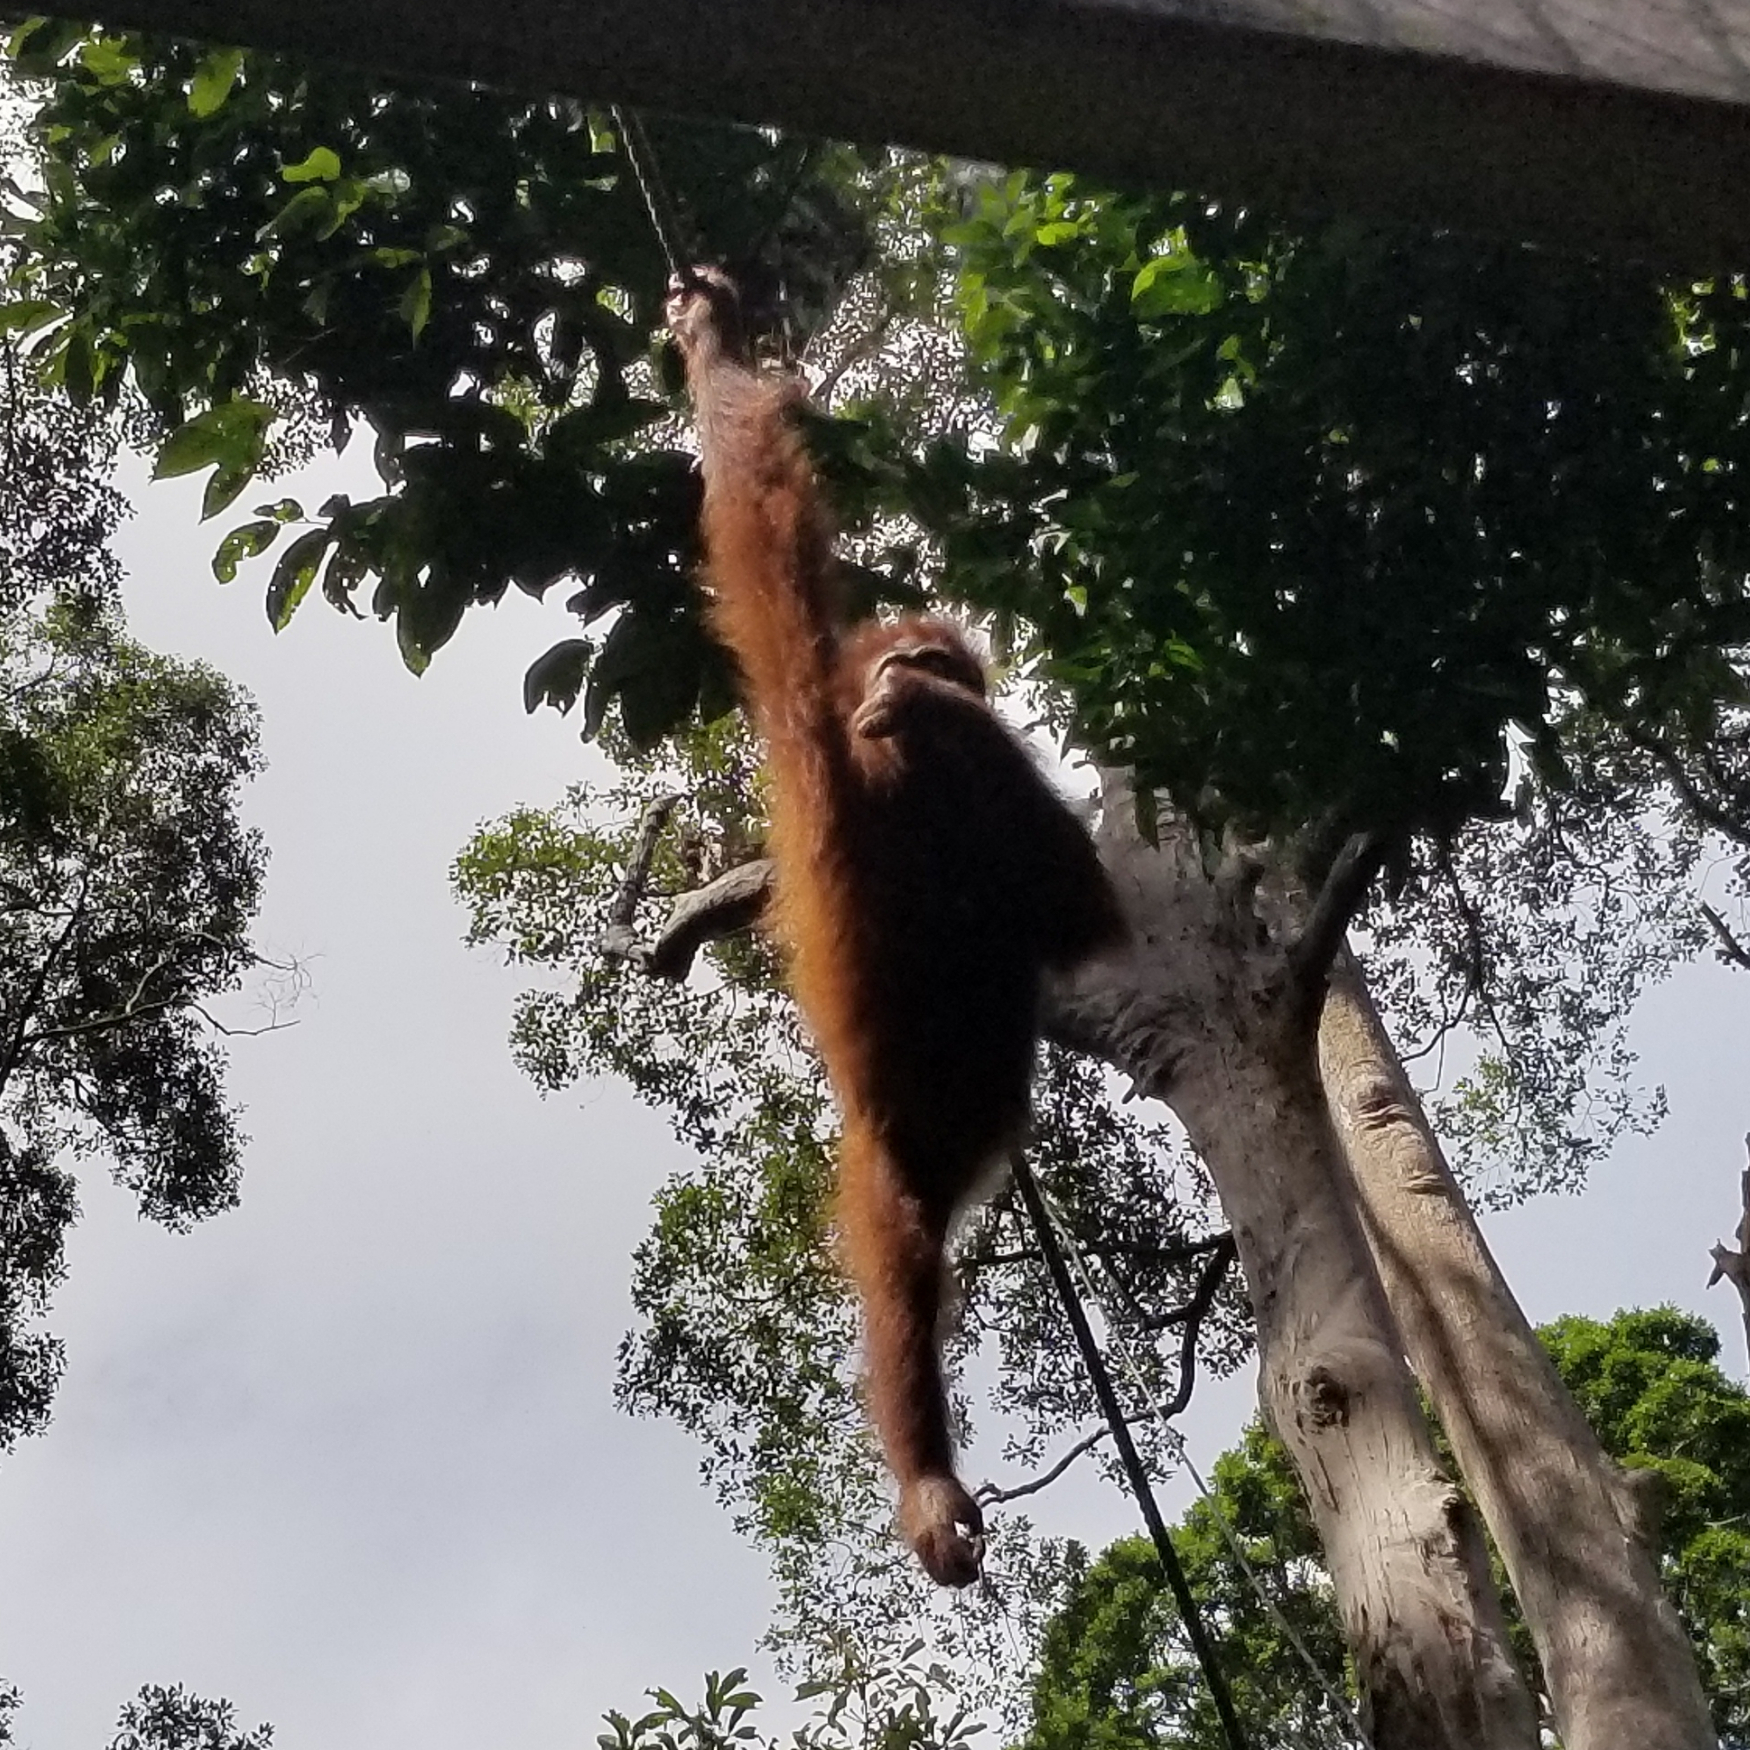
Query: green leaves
(213, 80)
(321, 164)
(27, 315)
(318, 211)
(293, 576)
(556, 677)
(470, 276)
(243, 542)
(229, 439)
(1176, 284)
(415, 305)
(650, 667)
(1314, 525)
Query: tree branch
(618, 940)
(989, 1495)
(1734, 1266)
(1193, 1313)
(1346, 883)
(1729, 945)
(1722, 820)
(721, 908)
(242, 1032)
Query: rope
(665, 218)
(1128, 1456)
(1340, 1703)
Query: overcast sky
(348, 1455)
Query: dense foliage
(236, 240)
(1116, 1673)
(1311, 526)
(1308, 520)
(1319, 529)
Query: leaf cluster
(1314, 525)
(474, 277)
(161, 1718)
(890, 1704)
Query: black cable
(1128, 1456)
(665, 218)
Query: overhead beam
(1617, 125)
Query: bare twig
(1734, 1266)
(1729, 945)
(989, 1495)
(219, 1026)
(1350, 875)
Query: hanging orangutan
(927, 877)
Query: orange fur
(927, 877)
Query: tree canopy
(128, 884)
(1116, 1672)
(1310, 524)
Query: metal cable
(1128, 1456)
(1339, 1702)
(665, 218)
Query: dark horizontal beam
(1617, 125)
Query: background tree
(1116, 1672)
(172, 1719)
(127, 886)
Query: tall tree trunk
(1198, 1012)
(1575, 1533)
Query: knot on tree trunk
(1378, 1103)
(1324, 1397)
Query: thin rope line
(1339, 1701)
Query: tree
(163, 1719)
(1256, 486)
(127, 887)
(896, 1706)
(1116, 1672)
(172, 1719)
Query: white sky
(348, 1455)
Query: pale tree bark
(1575, 1532)
(1734, 1266)
(1200, 1010)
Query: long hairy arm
(767, 543)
